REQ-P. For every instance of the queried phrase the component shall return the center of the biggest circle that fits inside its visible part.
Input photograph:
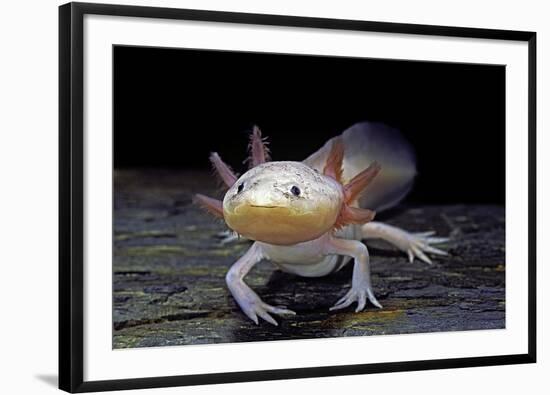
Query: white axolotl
(309, 217)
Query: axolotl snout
(309, 217)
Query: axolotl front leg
(249, 302)
(254, 307)
(361, 288)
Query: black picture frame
(71, 195)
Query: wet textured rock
(169, 268)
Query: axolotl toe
(309, 218)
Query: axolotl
(309, 218)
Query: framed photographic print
(253, 197)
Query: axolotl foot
(415, 245)
(359, 295)
(254, 307)
(229, 237)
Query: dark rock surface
(169, 268)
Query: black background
(174, 106)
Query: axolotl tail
(364, 143)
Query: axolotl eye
(295, 190)
(240, 187)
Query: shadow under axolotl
(311, 299)
(416, 298)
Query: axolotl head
(286, 203)
(283, 203)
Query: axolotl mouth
(278, 224)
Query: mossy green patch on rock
(160, 250)
(143, 234)
(363, 319)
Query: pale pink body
(312, 224)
